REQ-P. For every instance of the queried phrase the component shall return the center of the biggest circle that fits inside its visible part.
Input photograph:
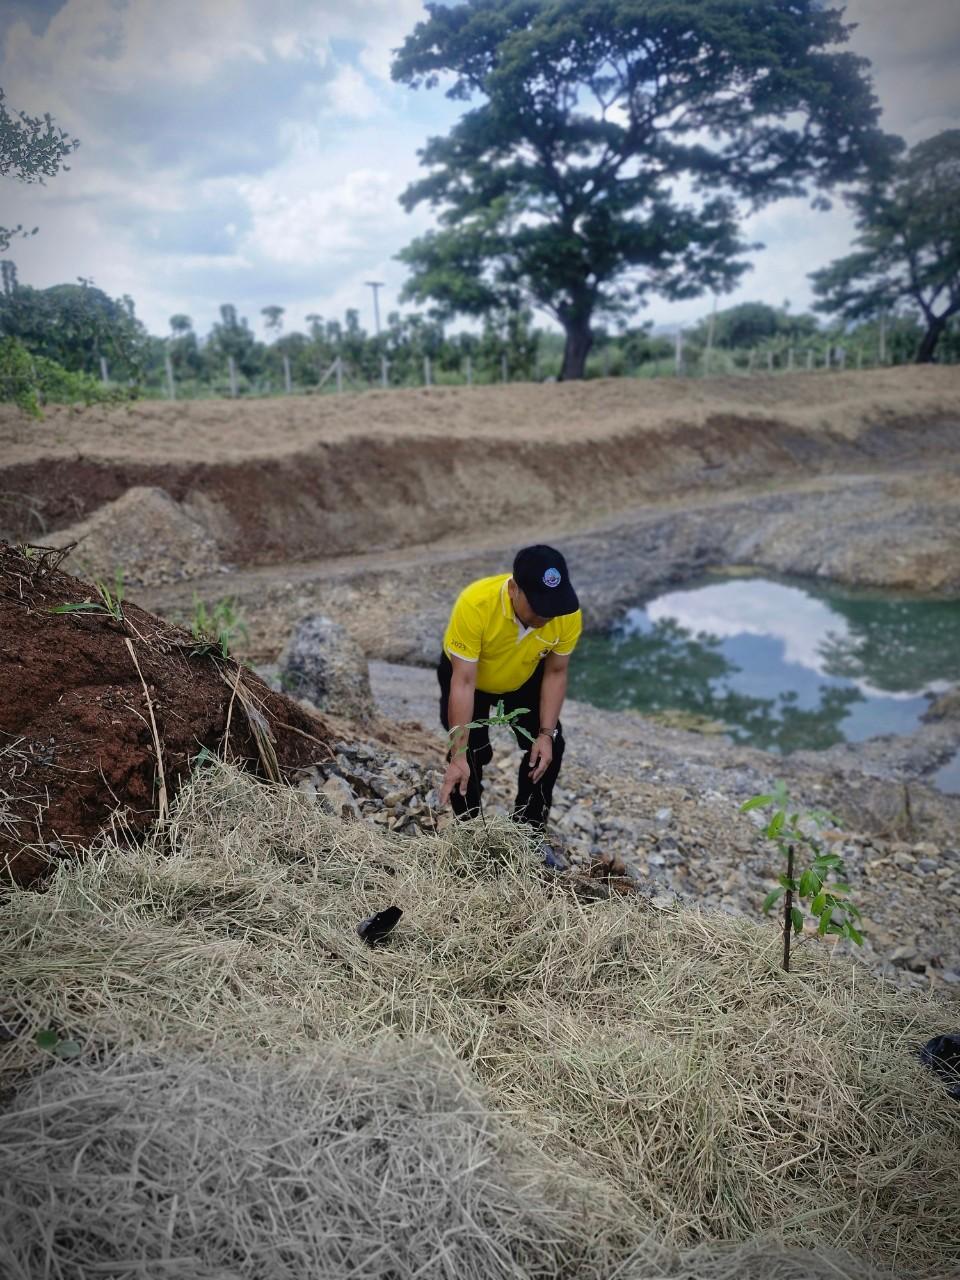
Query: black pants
(533, 798)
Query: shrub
(32, 381)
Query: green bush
(32, 381)
(18, 378)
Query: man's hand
(455, 779)
(541, 756)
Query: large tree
(31, 148)
(909, 244)
(607, 144)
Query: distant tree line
(76, 331)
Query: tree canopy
(909, 238)
(750, 324)
(607, 144)
(74, 325)
(31, 148)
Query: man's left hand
(541, 756)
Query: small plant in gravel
(110, 602)
(216, 629)
(820, 888)
(499, 718)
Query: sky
(253, 151)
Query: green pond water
(783, 665)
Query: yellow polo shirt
(484, 629)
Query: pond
(782, 665)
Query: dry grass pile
(336, 1166)
(383, 1165)
(661, 1054)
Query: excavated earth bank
(297, 479)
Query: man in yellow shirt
(509, 637)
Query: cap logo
(551, 578)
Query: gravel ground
(666, 802)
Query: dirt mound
(145, 534)
(84, 699)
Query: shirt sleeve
(570, 629)
(464, 632)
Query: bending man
(509, 637)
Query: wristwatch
(549, 733)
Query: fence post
(678, 353)
(426, 371)
(790, 359)
(770, 361)
(503, 367)
(810, 359)
(384, 371)
(883, 337)
(750, 359)
(232, 373)
(171, 385)
(104, 371)
(287, 380)
(339, 373)
(469, 372)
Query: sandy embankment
(375, 506)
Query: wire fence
(343, 376)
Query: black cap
(541, 574)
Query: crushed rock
(658, 811)
(147, 535)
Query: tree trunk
(928, 343)
(577, 348)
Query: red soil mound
(77, 717)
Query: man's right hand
(456, 778)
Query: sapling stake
(787, 912)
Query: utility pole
(376, 286)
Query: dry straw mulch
(660, 1059)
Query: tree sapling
(812, 888)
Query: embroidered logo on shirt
(551, 578)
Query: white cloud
(326, 222)
(756, 607)
(349, 96)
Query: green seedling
(820, 888)
(216, 629)
(50, 1040)
(499, 718)
(110, 602)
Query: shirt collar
(506, 604)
